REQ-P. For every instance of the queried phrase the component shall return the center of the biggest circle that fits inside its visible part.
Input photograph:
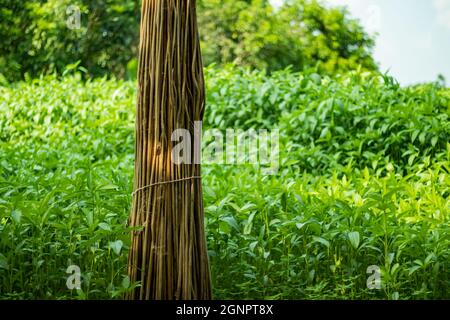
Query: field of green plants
(363, 181)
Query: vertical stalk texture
(168, 254)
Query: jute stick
(168, 255)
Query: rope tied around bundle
(162, 183)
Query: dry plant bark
(168, 254)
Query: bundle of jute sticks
(168, 255)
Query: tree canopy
(36, 38)
(302, 33)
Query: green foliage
(360, 119)
(301, 34)
(36, 38)
(309, 232)
(14, 37)
(65, 166)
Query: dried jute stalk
(168, 254)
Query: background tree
(302, 33)
(35, 38)
(15, 40)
